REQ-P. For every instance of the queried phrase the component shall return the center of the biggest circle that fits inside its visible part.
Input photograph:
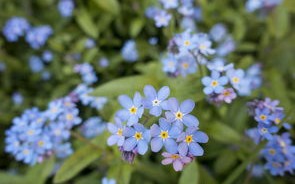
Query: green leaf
(190, 174)
(136, 26)
(86, 23)
(289, 5)
(125, 85)
(6, 178)
(111, 6)
(205, 176)
(225, 162)
(40, 172)
(223, 133)
(121, 172)
(278, 22)
(76, 163)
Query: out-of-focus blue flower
(46, 75)
(2, 66)
(188, 23)
(254, 134)
(162, 19)
(169, 63)
(36, 64)
(187, 11)
(90, 43)
(218, 32)
(219, 65)
(189, 142)
(66, 7)
(47, 56)
(197, 14)
(103, 62)
(153, 40)
(133, 109)
(214, 84)
(63, 150)
(137, 137)
(108, 181)
(164, 135)
(151, 11)
(236, 77)
(92, 127)
(17, 98)
(203, 44)
(117, 133)
(226, 47)
(154, 100)
(169, 4)
(14, 28)
(186, 64)
(38, 36)
(180, 114)
(252, 5)
(87, 72)
(129, 51)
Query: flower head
(176, 160)
(214, 84)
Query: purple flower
(137, 138)
(177, 160)
(180, 114)
(153, 100)
(189, 142)
(214, 83)
(117, 131)
(227, 95)
(162, 18)
(165, 134)
(133, 108)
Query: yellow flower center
(189, 139)
(275, 165)
(226, 93)
(138, 135)
(164, 134)
(235, 79)
(178, 115)
(120, 132)
(187, 43)
(185, 65)
(40, 143)
(272, 151)
(202, 47)
(69, 117)
(26, 152)
(133, 110)
(30, 132)
(262, 117)
(214, 83)
(277, 120)
(174, 156)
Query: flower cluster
(87, 72)
(129, 51)
(188, 11)
(279, 152)
(253, 5)
(16, 27)
(175, 130)
(66, 7)
(36, 135)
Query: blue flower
(218, 64)
(169, 63)
(108, 181)
(263, 116)
(117, 131)
(36, 64)
(169, 4)
(47, 56)
(185, 42)
(180, 113)
(38, 36)
(165, 134)
(103, 62)
(226, 47)
(137, 137)
(252, 5)
(267, 131)
(203, 44)
(186, 64)
(189, 142)
(63, 150)
(236, 77)
(17, 98)
(162, 19)
(153, 100)
(66, 7)
(133, 108)
(87, 72)
(151, 11)
(90, 43)
(129, 51)
(2, 66)
(14, 28)
(214, 84)
(218, 32)
(92, 127)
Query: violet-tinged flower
(164, 135)
(103, 62)
(214, 84)
(14, 28)
(189, 142)
(153, 100)
(137, 137)
(151, 11)
(227, 95)
(90, 43)
(176, 160)
(117, 133)
(179, 114)
(162, 18)
(133, 109)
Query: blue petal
(125, 101)
(150, 92)
(173, 104)
(123, 114)
(170, 116)
(175, 131)
(121, 141)
(200, 137)
(156, 144)
(132, 120)
(164, 124)
(112, 128)
(113, 139)
(208, 90)
(128, 132)
(147, 103)
(147, 135)
(137, 99)
(190, 121)
(187, 106)
(170, 146)
(155, 130)
(129, 144)
(163, 93)
(195, 149)
(140, 112)
(139, 127)
(223, 80)
(215, 75)
(206, 81)
(142, 147)
(182, 149)
(156, 111)
(218, 89)
(165, 105)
